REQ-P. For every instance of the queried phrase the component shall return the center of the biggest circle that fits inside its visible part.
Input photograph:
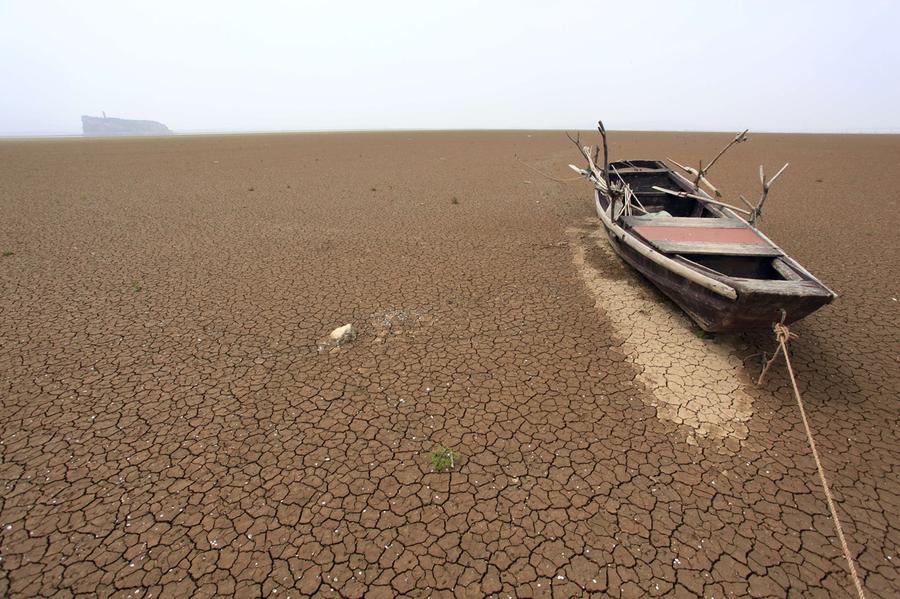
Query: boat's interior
(643, 175)
(768, 268)
(701, 235)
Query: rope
(543, 174)
(784, 335)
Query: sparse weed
(443, 458)
(8, 253)
(136, 285)
(455, 200)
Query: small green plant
(455, 200)
(8, 253)
(701, 334)
(443, 458)
(136, 285)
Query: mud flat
(169, 426)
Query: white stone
(344, 334)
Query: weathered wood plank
(683, 221)
(785, 288)
(639, 170)
(726, 249)
(744, 235)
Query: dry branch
(740, 137)
(693, 196)
(699, 174)
(592, 173)
(602, 131)
(756, 213)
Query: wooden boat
(718, 267)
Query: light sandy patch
(691, 380)
(397, 322)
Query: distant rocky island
(94, 125)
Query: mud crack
(690, 380)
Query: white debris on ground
(338, 337)
(344, 334)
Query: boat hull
(757, 304)
(714, 313)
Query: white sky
(200, 65)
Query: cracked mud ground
(169, 427)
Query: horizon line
(224, 132)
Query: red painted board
(700, 234)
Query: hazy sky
(268, 65)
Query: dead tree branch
(602, 131)
(693, 196)
(700, 173)
(591, 172)
(740, 137)
(756, 213)
(577, 141)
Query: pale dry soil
(169, 425)
(689, 380)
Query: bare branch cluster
(756, 211)
(600, 176)
(619, 190)
(700, 173)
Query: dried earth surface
(169, 425)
